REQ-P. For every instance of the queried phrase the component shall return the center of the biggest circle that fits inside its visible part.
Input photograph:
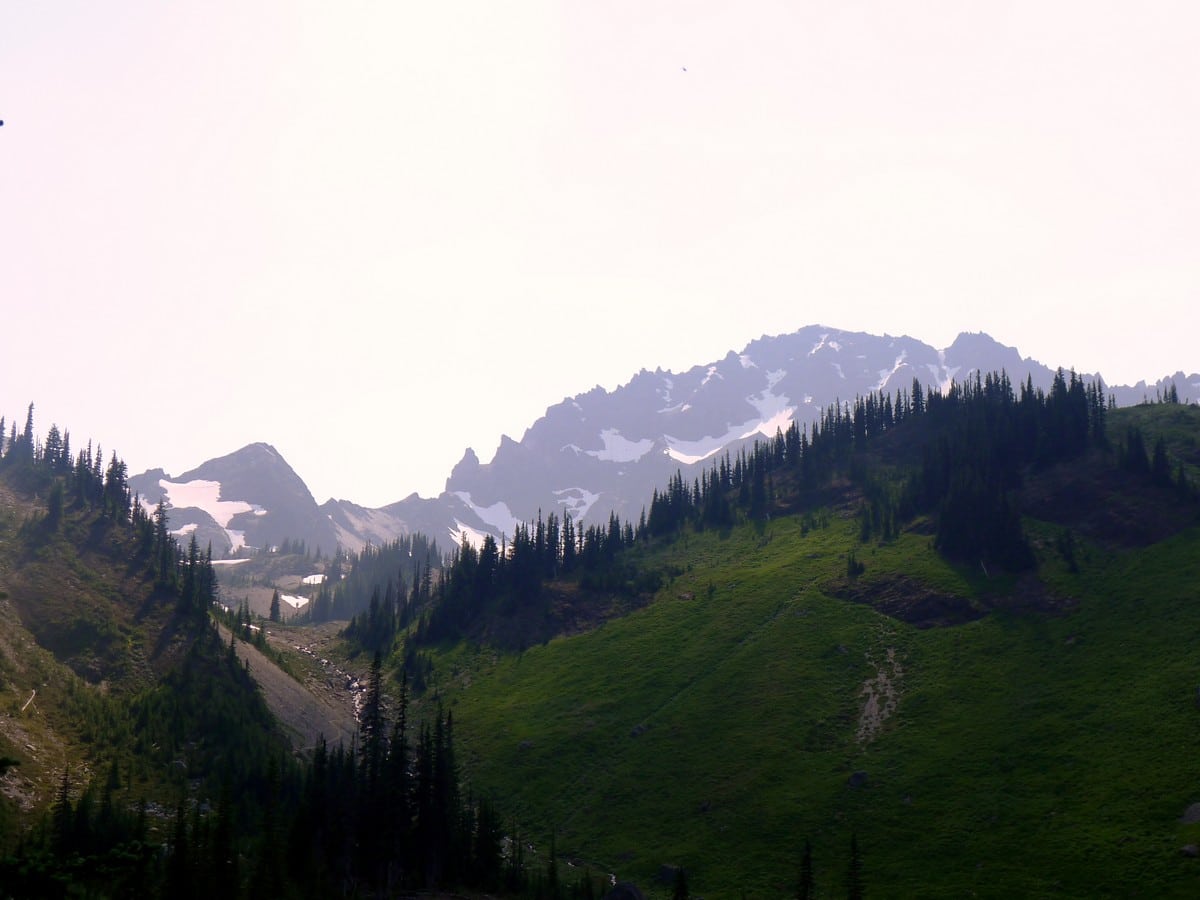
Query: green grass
(1032, 754)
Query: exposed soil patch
(908, 600)
(881, 696)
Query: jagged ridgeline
(918, 630)
(957, 456)
(138, 757)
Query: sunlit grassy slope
(1048, 748)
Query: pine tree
(371, 727)
(274, 614)
(680, 891)
(854, 874)
(806, 889)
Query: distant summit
(601, 452)
(250, 499)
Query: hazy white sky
(376, 233)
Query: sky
(374, 234)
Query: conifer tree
(680, 890)
(854, 873)
(806, 889)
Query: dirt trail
(305, 715)
(882, 695)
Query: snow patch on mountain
(689, 452)
(710, 375)
(774, 411)
(205, 496)
(463, 532)
(944, 374)
(498, 515)
(885, 374)
(618, 448)
(818, 345)
(577, 501)
(747, 362)
(838, 368)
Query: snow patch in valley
(237, 540)
(231, 562)
(293, 601)
(620, 449)
(577, 501)
(319, 578)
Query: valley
(946, 643)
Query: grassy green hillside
(1047, 745)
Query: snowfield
(498, 515)
(206, 496)
(620, 449)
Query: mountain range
(598, 452)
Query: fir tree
(854, 873)
(680, 890)
(806, 889)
